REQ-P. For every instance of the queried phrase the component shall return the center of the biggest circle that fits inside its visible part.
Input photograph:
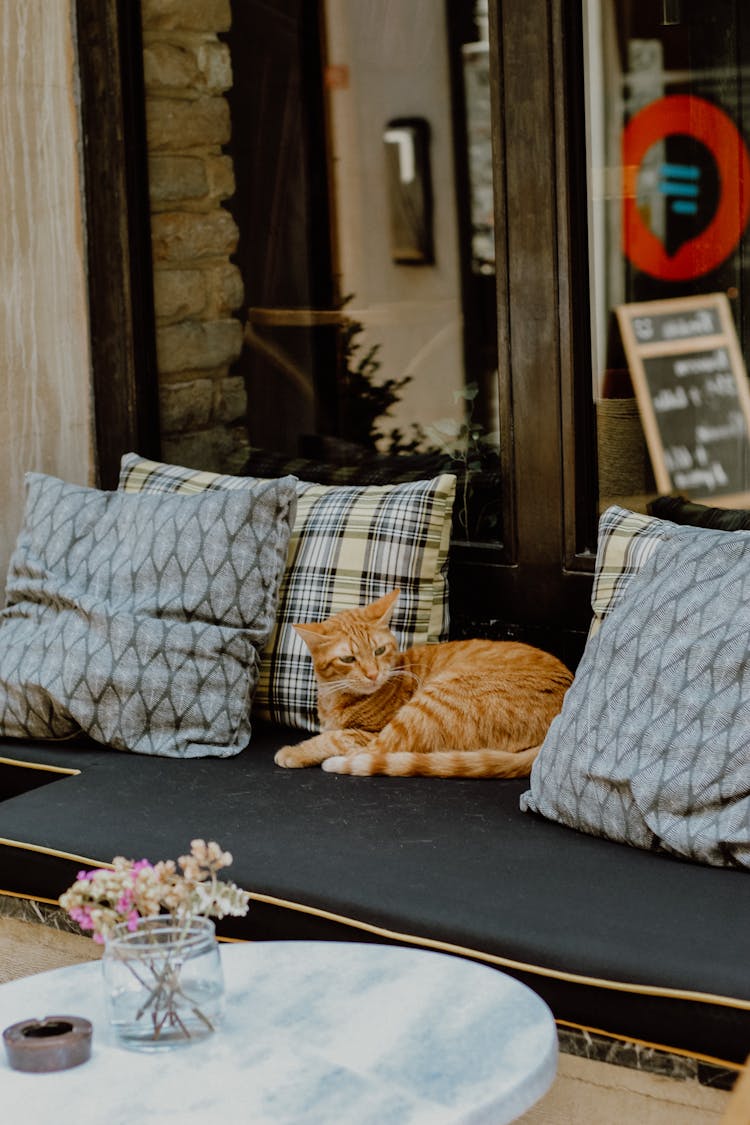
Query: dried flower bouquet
(135, 906)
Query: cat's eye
(347, 659)
(379, 651)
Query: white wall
(45, 399)
(396, 55)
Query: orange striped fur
(473, 708)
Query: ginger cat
(457, 709)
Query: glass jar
(164, 982)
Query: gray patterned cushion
(140, 620)
(652, 746)
(349, 545)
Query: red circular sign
(686, 115)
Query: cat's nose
(371, 673)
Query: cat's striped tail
(435, 763)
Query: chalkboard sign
(692, 391)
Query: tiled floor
(30, 947)
(598, 1093)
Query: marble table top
(330, 1033)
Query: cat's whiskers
(331, 686)
(394, 672)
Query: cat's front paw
(289, 757)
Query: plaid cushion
(626, 541)
(349, 545)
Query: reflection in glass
(669, 192)
(367, 243)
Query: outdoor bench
(631, 943)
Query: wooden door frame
(542, 583)
(118, 242)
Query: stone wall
(197, 288)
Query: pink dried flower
(133, 889)
(83, 917)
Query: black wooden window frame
(118, 239)
(539, 585)
(540, 589)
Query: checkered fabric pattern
(139, 475)
(626, 542)
(349, 545)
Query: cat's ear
(379, 612)
(312, 633)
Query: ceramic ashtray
(54, 1043)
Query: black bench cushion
(633, 943)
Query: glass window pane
(669, 197)
(361, 144)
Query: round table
(332, 1033)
